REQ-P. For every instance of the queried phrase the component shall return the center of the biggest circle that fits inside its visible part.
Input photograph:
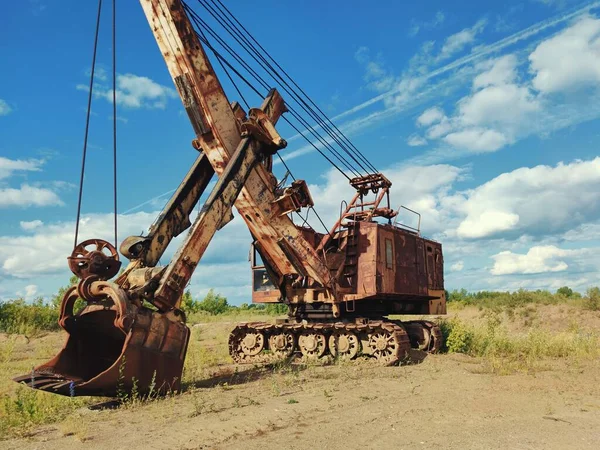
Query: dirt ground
(447, 401)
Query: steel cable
(200, 23)
(339, 136)
(114, 97)
(201, 35)
(87, 122)
(254, 54)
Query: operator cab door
(387, 262)
(432, 275)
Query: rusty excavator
(340, 286)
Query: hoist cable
(87, 122)
(286, 166)
(265, 65)
(198, 22)
(247, 33)
(114, 98)
(202, 36)
(339, 136)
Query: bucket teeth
(45, 382)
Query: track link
(385, 341)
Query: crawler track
(387, 342)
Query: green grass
(506, 352)
(23, 409)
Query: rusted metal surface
(94, 257)
(380, 268)
(146, 251)
(203, 95)
(385, 342)
(113, 344)
(260, 137)
(293, 198)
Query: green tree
(214, 303)
(188, 303)
(565, 291)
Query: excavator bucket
(113, 347)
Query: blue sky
(483, 114)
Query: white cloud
(539, 201)
(497, 111)
(45, 248)
(477, 140)
(32, 225)
(27, 195)
(9, 166)
(430, 116)
(457, 266)
(457, 42)
(435, 22)
(29, 292)
(503, 99)
(584, 232)
(134, 91)
(477, 54)
(538, 259)
(421, 188)
(505, 105)
(416, 141)
(5, 108)
(496, 72)
(487, 223)
(376, 76)
(569, 60)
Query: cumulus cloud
(27, 196)
(9, 166)
(508, 103)
(430, 116)
(477, 140)
(496, 72)
(134, 91)
(496, 111)
(5, 108)
(569, 60)
(540, 200)
(45, 248)
(31, 225)
(28, 292)
(416, 141)
(457, 266)
(538, 259)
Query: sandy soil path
(448, 401)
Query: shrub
(459, 337)
(592, 299)
(18, 316)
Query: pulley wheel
(95, 257)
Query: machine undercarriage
(386, 341)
